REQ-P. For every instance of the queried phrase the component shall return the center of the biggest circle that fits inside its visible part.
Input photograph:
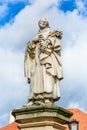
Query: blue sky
(18, 25)
(13, 7)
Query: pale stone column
(44, 117)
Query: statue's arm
(57, 46)
(30, 50)
(53, 44)
(27, 63)
(56, 36)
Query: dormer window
(73, 125)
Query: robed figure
(42, 65)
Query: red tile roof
(77, 114)
(12, 126)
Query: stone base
(44, 125)
(44, 117)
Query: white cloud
(82, 6)
(13, 38)
(75, 105)
(13, 1)
(13, 90)
(25, 23)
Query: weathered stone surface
(42, 65)
(42, 117)
(45, 125)
(43, 69)
(52, 112)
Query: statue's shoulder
(27, 44)
(56, 33)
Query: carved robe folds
(43, 64)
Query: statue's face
(43, 24)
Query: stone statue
(42, 65)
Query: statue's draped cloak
(44, 69)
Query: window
(73, 125)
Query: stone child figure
(42, 65)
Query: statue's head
(43, 23)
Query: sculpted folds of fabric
(43, 67)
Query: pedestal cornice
(34, 113)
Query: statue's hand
(48, 43)
(40, 37)
(31, 47)
(31, 50)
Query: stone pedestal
(44, 117)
